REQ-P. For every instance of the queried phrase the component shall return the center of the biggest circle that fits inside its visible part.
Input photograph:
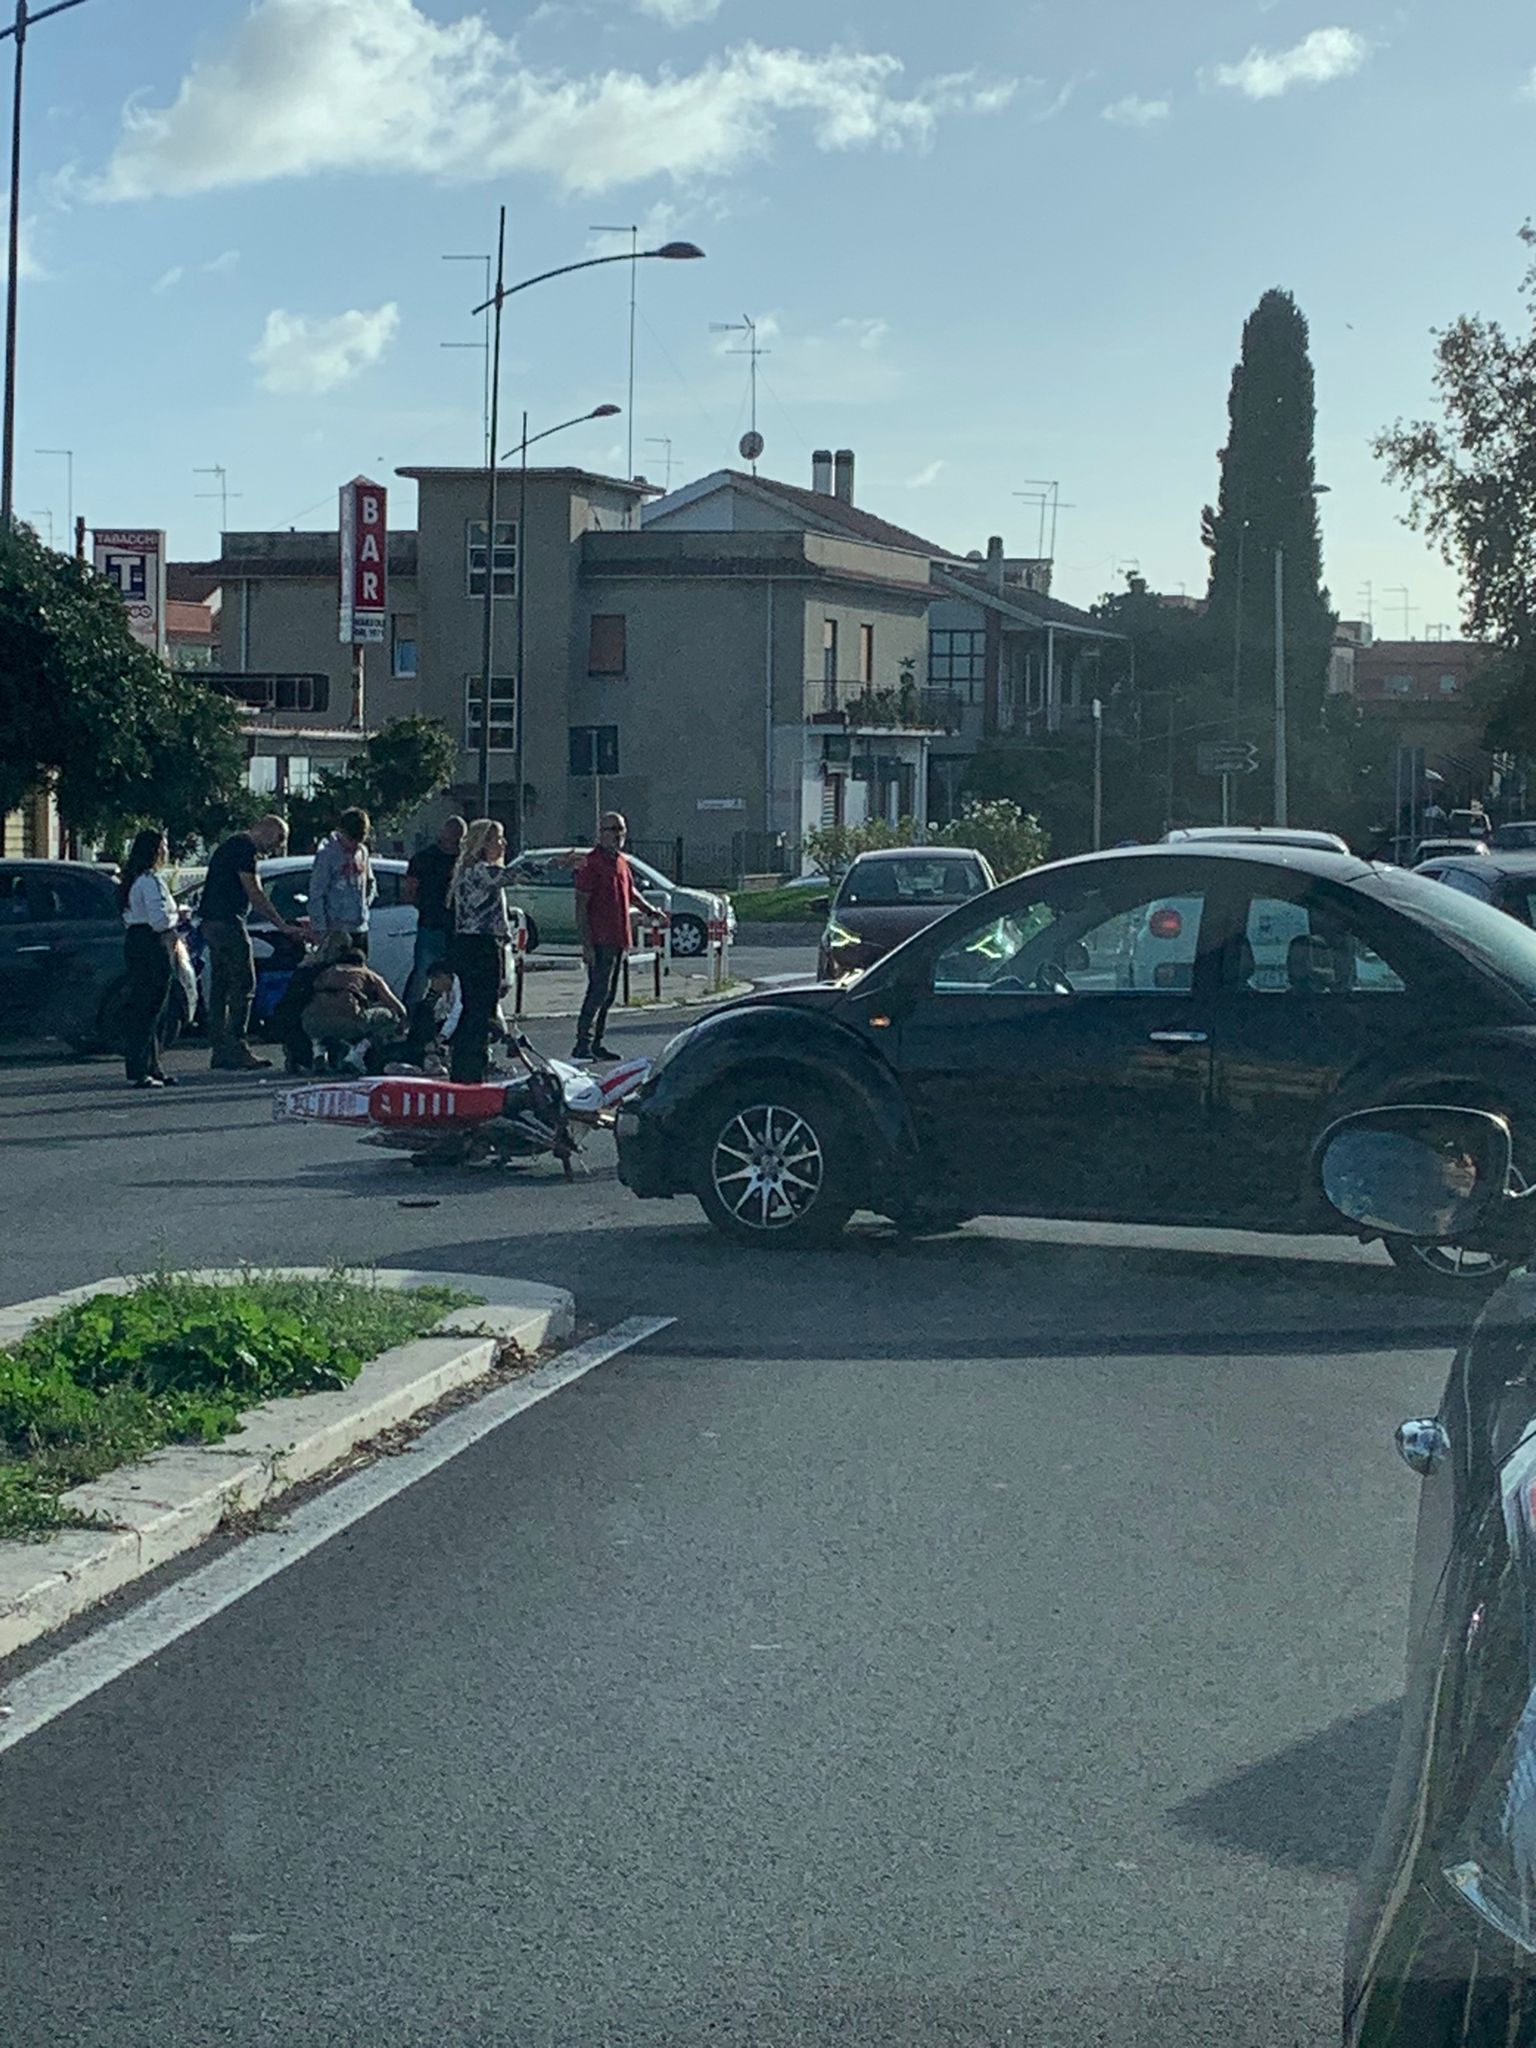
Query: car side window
(1468, 884)
(14, 906)
(1087, 945)
(1296, 948)
(387, 890)
(289, 895)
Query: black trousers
(149, 983)
(476, 959)
(602, 987)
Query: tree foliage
(391, 775)
(1010, 839)
(87, 712)
(1470, 476)
(1266, 502)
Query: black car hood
(812, 995)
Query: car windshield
(892, 883)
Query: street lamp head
(604, 412)
(678, 252)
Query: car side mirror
(1411, 1171)
(821, 906)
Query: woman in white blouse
(149, 953)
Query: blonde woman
(481, 930)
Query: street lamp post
(25, 19)
(671, 252)
(598, 412)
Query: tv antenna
(1046, 493)
(221, 491)
(1400, 590)
(751, 443)
(662, 441)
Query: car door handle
(1177, 1037)
(34, 949)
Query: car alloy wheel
(689, 938)
(767, 1168)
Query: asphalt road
(989, 1640)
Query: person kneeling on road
(350, 1006)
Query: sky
(988, 249)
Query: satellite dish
(751, 446)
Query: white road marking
(98, 1660)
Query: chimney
(821, 471)
(995, 561)
(842, 475)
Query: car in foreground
(1019, 1058)
(544, 889)
(885, 897)
(1441, 1951)
(61, 951)
(1507, 880)
(391, 929)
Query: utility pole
(748, 326)
(1098, 774)
(488, 622)
(1282, 793)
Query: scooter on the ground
(1442, 1940)
(541, 1111)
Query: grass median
(179, 1361)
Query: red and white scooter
(450, 1123)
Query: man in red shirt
(606, 904)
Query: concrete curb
(176, 1499)
(622, 1010)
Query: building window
(505, 568)
(594, 750)
(503, 714)
(286, 693)
(607, 654)
(1449, 685)
(866, 654)
(402, 641)
(1399, 686)
(829, 650)
(958, 661)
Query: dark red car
(885, 897)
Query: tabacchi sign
(364, 576)
(134, 559)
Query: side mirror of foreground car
(1417, 1171)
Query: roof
(318, 564)
(835, 515)
(188, 620)
(478, 472)
(1511, 863)
(190, 582)
(918, 853)
(1309, 860)
(1025, 607)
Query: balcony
(866, 707)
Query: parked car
(1468, 824)
(1446, 849)
(544, 889)
(1507, 881)
(886, 897)
(391, 930)
(61, 951)
(1441, 1950)
(995, 1064)
(1518, 836)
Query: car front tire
(689, 937)
(777, 1165)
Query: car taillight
(1166, 923)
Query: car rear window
(898, 882)
(1496, 940)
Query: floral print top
(478, 896)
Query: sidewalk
(554, 984)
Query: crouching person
(350, 1007)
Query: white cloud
(1132, 112)
(659, 223)
(928, 474)
(303, 358)
(866, 334)
(222, 265)
(29, 265)
(1326, 54)
(679, 13)
(303, 86)
(168, 280)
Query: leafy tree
(405, 764)
(1011, 840)
(1470, 476)
(88, 712)
(1266, 501)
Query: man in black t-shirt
(426, 885)
(230, 891)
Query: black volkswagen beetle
(1151, 1035)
